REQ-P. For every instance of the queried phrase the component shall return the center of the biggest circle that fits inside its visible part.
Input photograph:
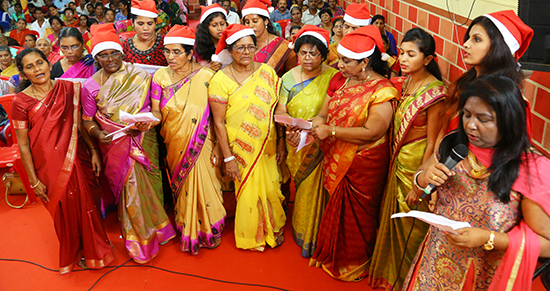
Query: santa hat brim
(509, 38)
(353, 55)
(316, 35)
(106, 45)
(356, 21)
(144, 13)
(254, 10)
(238, 35)
(178, 40)
(212, 10)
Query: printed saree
(410, 116)
(131, 163)
(305, 100)
(355, 181)
(274, 54)
(200, 215)
(259, 217)
(52, 125)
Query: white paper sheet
(438, 221)
(287, 120)
(138, 117)
(120, 133)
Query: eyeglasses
(241, 49)
(114, 55)
(72, 47)
(168, 52)
(305, 54)
(338, 26)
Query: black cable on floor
(123, 265)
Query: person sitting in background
(380, 22)
(7, 66)
(109, 16)
(45, 46)
(163, 20)
(52, 11)
(21, 30)
(83, 27)
(76, 64)
(311, 15)
(336, 10)
(123, 12)
(281, 13)
(99, 12)
(18, 12)
(61, 4)
(40, 24)
(70, 20)
(326, 19)
(52, 32)
(30, 40)
(232, 17)
(337, 30)
(293, 30)
(91, 9)
(81, 9)
(295, 19)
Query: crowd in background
(260, 98)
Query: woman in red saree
(46, 117)
(500, 189)
(353, 126)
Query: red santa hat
(313, 30)
(360, 43)
(180, 34)
(145, 8)
(207, 11)
(230, 35)
(259, 7)
(516, 34)
(357, 14)
(104, 37)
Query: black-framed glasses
(242, 49)
(114, 55)
(72, 47)
(168, 52)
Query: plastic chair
(9, 156)
(126, 35)
(283, 23)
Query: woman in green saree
(302, 95)
(416, 130)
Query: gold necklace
(408, 83)
(233, 73)
(477, 171)
(188, 89)
(40, 100)
(345, 86)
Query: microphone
(458, 154)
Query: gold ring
(435, 177)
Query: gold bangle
(35, 185)
(90, 130)
(490, 244)
(333, 130)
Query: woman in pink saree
(499, 189)
(131, 160)
(75, 64)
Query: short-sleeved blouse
(152, 56)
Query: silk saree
(131, 162)
(187, 133)
(259, 216)
(304, 100)
(355, 181)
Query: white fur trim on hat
(213, 10)
(106, 45)
(238, 35)
(144, 13)
(509, 38)
(255, 10)
(353, 55)
(223, 57)
(317, 36)
(178, 39)
(356, 21)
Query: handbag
(14, 186)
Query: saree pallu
(275, 54)
(131, 165)
(304, 101)
(410, 117)
(84, 68)
(332, 57)
(440, 265)
(53, 134)
(355, 181)
(259, 217)
(200, 215)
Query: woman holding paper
(131, 161)
(180, 93)
(46, 121)
(416, 129)
(501, 189)
(302, 95)
(243, 96)
(353, 126)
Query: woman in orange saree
(46, 117)
(353, 126)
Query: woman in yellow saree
(180, 93)
(243, 96)
(415, 132)
(302, 95)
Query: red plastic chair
(126, 35)
(9, 156)
(283, 23)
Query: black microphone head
(459, 152)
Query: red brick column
(194, 9)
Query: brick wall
(404, 15)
